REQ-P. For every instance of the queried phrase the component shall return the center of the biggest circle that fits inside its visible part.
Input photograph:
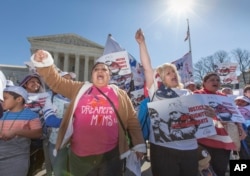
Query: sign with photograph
(227, 72)
(119, 65)
(184, 118)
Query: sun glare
(180, 7)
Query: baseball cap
(73, 75)
(9, 83)
(18, 90)
(189, 83)
(244, 98)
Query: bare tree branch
(243, 58)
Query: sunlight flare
(180, 7)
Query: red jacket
(221, 139)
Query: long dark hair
(97, 63)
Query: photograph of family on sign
(227, 72)
(136, 97)
(183, 118)
(119, 66)
(224, 107)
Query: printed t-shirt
(95, 123)
(17, 120)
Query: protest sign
(183, 118)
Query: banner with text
(227, 72)
(178, 119)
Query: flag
(188, 34)
(135, 80)
(112, 46)
(184, 67)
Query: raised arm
(44, 64)
(145, 58)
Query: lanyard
(4, 118)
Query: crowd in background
(43, 128)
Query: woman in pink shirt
(95, 121)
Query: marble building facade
(71, 52)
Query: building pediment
(68, 39)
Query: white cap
(244, 98)
(9, 83)
(73, 75)
(189, 83)
(18, 90)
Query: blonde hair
(162, 69)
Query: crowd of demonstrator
(80, 128)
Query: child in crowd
(190, 86)
(246, 91)
(17, 127)
(39, 101)
(243, 104)
(227, 90)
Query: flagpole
(189, 42)
(189, 37)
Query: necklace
(4, 118)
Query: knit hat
(18, 90)
(34, 75)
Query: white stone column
(77, 65)
(95, 59)
(66, 62)
(86, 66)
(55, 58)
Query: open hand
(209, 111)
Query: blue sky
(214, 25)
